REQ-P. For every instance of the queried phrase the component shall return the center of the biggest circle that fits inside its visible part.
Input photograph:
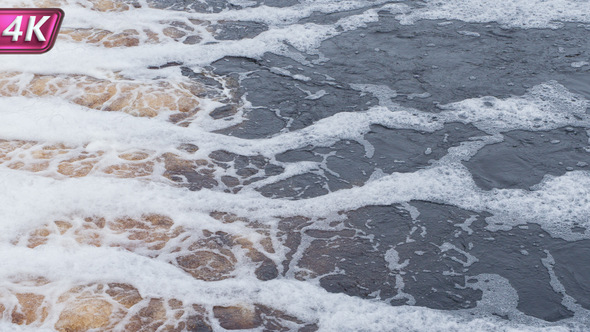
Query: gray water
(237, 164)
(423, 66)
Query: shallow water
(299, 165)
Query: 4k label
(30, 31)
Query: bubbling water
(124, 209)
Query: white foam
(9, 327)
(509, 13)
(392, 258)
(157, 279)
(579, 64)
(31, 200)
(545, 106)
(75, 58)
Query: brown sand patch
(59, 160)
(105, 307)
(206, 256)
(237, 317)
(250, 316)
(195, 174)
(138, 98)
(120, 306)
(30, 309)
(131, 37)
(106, 38)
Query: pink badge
(29, 31)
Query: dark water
(442, 251)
